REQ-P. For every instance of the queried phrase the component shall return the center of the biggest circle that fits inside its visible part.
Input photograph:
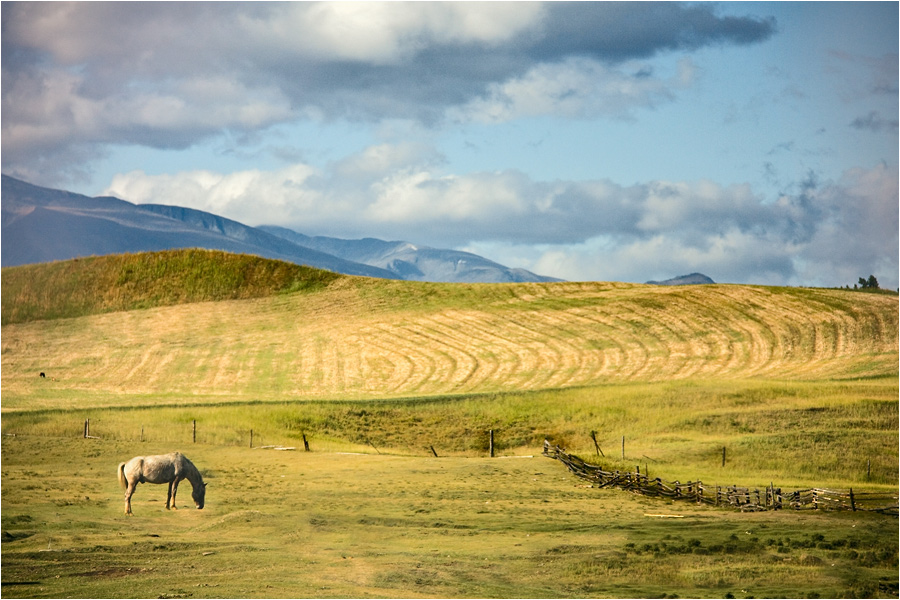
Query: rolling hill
(356, 338)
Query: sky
(753, 142)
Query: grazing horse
(163, 468)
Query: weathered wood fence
(745, 499)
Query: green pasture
(795, 433)
(326, 524)
(371, 512)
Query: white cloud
(252, 197)
(850, 230)
(574, 88)
(376, 160)
(413, 197)
(382, 33)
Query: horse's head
(199, 495)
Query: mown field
(800, 386)
(357, 338)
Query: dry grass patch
(351, 341)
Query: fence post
(723, 456)
(852, 501)
(491, 442)
(251, 438)
(142, 433)
(194, 430)
(305, 443)
(87, 427)
(623, 447)
(596, 445)
(433, 452)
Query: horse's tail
(122, 481)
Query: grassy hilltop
(122, 282)
(800, 386)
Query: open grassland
(796, 434)
(357, 338)
(800, 387)
(306, 525)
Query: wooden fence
(745, 499)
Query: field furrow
(345, 342)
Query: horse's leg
(129, 491)
(170, 498)
(173, 489)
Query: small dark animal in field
(42, 375)
(169, 468)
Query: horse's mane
(191, 470)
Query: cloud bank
(818, 235)
(78, 77)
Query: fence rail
(745, 499)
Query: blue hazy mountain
(411, 262)
(42, 224)
(692, 279)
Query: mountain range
(42, 224)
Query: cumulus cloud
(383, 33)
(827, 234)
(78, 77)
(251, 196)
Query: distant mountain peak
(412, 262)
(692, 279)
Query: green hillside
(86, 286)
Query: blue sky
(752, 142)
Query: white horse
(163, 468)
